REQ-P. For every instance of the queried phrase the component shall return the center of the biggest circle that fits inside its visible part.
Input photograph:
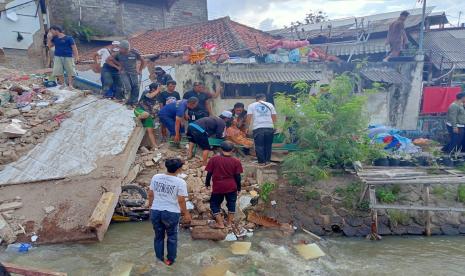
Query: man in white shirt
(109, 76)
(167, 200)
(263, 117)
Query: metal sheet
(100, 129)
(386, 75)
(269, 76)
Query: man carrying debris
(167, 97)
(172, 116)
(199, 131)
(66, 54)
(109, 75)
(225, 170)
(204, 108)
(397, 37)
(146, 113)
(262, 115)
(126, 63)
(167, 200)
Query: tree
(330, 128)
(311, 18)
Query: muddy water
(270, 255)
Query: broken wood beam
(208, 233)
(28, 271)
(102, 214)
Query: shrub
(461, 193)
(265, 191)
(385, 195)
(350, 194)
(398, 217)
(330, 129)
(79, 31)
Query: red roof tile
(228, 34)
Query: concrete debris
(241, 248)
(310, 251)
(14, 129)
(149, 163)
(49, 209)
(10, 206)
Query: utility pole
(422, 30)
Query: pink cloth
(437, 99)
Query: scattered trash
(19, 247)
(34, 238)
(310, 251)
(231, 237)
(240, 248)
(189, 205)
(42, 104)
(273, 203)
(244, 201)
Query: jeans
(165, 224)
(456, 139)
(217, 199)
(170, 125)
(111, 82)
(263, 139)
(131, 86)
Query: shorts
(199, 138)
(62, 65)
(147, 123)
(217, 199)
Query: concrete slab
(100, 128)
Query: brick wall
(124, 17)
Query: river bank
(132, 243)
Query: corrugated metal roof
(372, 46)
(386, 75)
(288, 76)
(445, 49)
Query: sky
(275, 14)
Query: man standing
(172, 116)
(109, 75)
(397, 37)
(167, 97)
(167, 200)
(263, 116)
(146, 113)
(204, 108)
(199, 131)
(455, 122)
(126, 62)
(225, 170)
(65, 50)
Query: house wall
(397, 106)
(124, 17)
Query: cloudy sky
(272, 14)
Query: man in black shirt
(199, 131)
(162, 77)
(204, 108)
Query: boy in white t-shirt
(167, 200)
(262, 115)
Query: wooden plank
(101, 216)
(428, 213)
(436, 176)
(417, 208)
(374, 212)
(418, 181)
(28, 271)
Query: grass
(350, 194)
(461, 193)
(439, 191)
(398, 217)
(266, 190)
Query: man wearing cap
(262, 115)
(161, 76)
(109, 75)
(397, 37)
(172, 116)
(126, 62)
(199, 131)
(225, 170)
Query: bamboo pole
(428, 212)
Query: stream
(131, 243)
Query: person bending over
(167, 200)
(225, 171)
(172, 116)
(146, 113)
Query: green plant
(349, 194)
(461, 193)
(398, 217)
(330, 129)
(385, 195)
(364, 206)
(439, 191)
(79, 31)
(312, 195)
(265, 191)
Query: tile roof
(228, 34)
(384, 74)
(445, 48)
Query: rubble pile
(28, 113)
(248, 204)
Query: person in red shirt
(225, 170)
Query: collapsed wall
(53, 190)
